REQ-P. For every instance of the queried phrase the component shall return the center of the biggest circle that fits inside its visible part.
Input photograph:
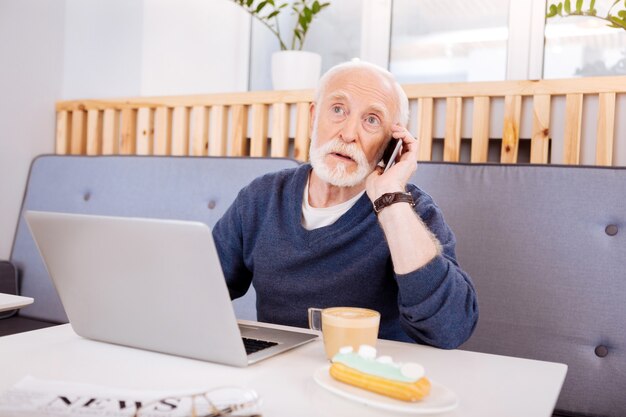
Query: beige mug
(345, 326)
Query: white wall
(103, 41)
(31, 70)
(117, 48)
(193, 47)
(65, 49)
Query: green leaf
(559, 9)
(592, 5)
(622, 14)
(249, 3)
(579, 6)
(617, 23)
(316, 7)
(567, 6)
(303, 23)
(308, 14)
(274, 13)
(552, 11)
(260, 7)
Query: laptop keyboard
(254, 345)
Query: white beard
(339, 176)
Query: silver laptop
(150, 284)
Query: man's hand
(396, 177)
(410, 242)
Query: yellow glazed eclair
(381, 375)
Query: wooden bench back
(276, 123)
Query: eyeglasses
(224, 401)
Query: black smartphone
(391, 153)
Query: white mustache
(350, 150)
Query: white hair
(401, 98)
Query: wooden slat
(239, 130)
(79, 133)
(180, 131)
(162, 131)
(110, 132)
(62, 133)
(480, 130)
(219, 131)
(573, 124)
(128, 142)
(587, 85)
(94, 132)
(145, 131)
(606, 129)
(225, 99)
(78, 140)
(200, 131)
(452, 139)
(280, 130)
(540, 140)
(425, 134)
(303, 127)
(510, 131)
(258, 147)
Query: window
(449, 40)
(581, 46)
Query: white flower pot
(295, 70)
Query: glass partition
(449, 40)
(585, 46)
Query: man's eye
(372, 120)
(337, 110)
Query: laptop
(152, 284)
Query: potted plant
(292, 68)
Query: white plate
(440, 399)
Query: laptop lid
(147, 283)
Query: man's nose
(349, 130)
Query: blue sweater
(260, 240)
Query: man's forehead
(362, 84)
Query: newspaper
(33, 397)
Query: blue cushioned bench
(543, 244)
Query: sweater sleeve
(229, 241)
(437, 302)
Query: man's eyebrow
(379, 108)
(339, 95)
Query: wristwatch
(388, 199)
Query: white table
(11, 302)
(487, 385)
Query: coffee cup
(345, 326)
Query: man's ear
(311, 117)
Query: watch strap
(388, 199)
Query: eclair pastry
(381, 375)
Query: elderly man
(341, 232)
